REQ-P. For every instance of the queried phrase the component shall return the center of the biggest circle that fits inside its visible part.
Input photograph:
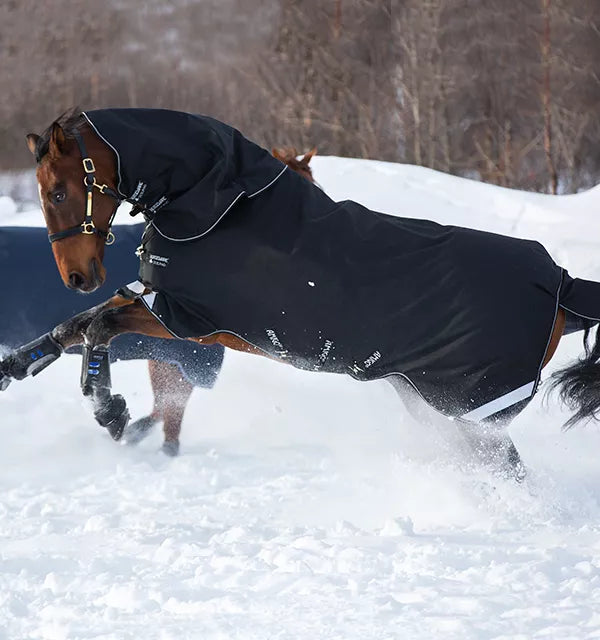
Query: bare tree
(505, 92)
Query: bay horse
(241, 253)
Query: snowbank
(305, 505)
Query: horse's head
(72, 166)
(288, 155)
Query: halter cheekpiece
(87, 227)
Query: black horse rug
(34, 300)
(237, 244)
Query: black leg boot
(110, 411)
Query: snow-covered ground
(304, 505)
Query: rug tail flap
(581, 297)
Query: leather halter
(87, 227)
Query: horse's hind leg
(493, 447)
(487, 442)
(492, 444)
(171, 394)
(141, 428)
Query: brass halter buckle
(89, 228)
(88, 165)
(110, 238)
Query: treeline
(506, 92)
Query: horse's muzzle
(83, 284)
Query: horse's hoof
(514, 465)
(170, 448)
(510, 470)
(4, 381)
(114, 416)
(138, 430)
(520, 473)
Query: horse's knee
(102, 328)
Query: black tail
(578, 384)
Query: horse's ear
(58, 140)
(277, 153)
(32, 140)
(309, 156)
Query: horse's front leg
(111, 410)
(34, 357)
(72, 331)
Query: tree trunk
(547, 96)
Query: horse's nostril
(76, 280)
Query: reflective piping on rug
(579, 315)
(223, 214)
(84, 114)
(499, 404)
(268, 185)
(148, 302)
(239, 195)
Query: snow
(305, 505)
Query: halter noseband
(88, 227)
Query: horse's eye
(58, 196)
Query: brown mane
(289, 156)
(70, 121)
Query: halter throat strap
(87, 227)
